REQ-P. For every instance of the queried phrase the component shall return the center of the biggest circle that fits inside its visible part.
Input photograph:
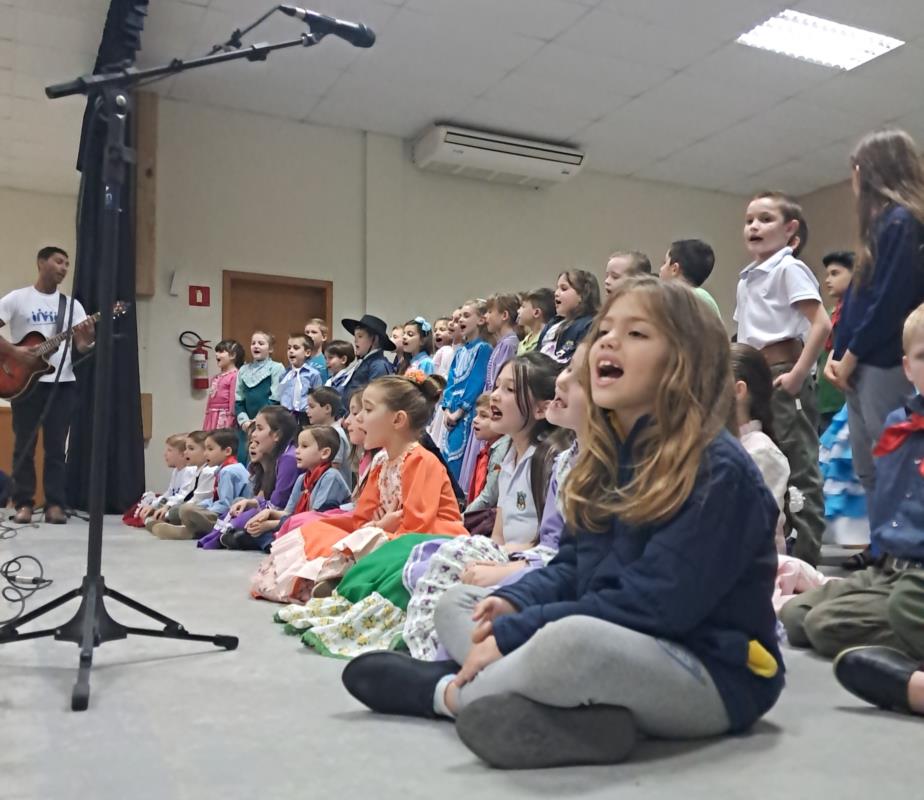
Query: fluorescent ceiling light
(818, 40)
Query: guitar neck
(52, 344)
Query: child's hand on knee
(254, 524)
(480, 656)
(486, 612)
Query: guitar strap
(62, 307)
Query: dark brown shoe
(54, 515)
(23, 515)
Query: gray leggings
(582, 661)
(875, 393)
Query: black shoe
(509, 731)
(393, 683)
(859, 561)
(879, 675)
(23, 515)
(54, 515)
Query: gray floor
(180, 720)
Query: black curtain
(120, 42)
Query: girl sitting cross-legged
(655, 618)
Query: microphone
(355, 33)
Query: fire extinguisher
(198, 359)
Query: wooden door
(277, 304)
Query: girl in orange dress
(407, 491)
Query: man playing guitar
(36, 308)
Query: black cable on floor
(20, 586)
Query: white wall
(246, 192)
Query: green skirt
(381, 571)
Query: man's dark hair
(842, 257)
(47, 252)
(695, 257)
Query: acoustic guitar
(16, 377)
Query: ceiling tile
(725, 19)
(605, 74)
(603, 32)
(768, 76)
(556, 99)
(541, 19)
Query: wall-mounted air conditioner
(494, 157)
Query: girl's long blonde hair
(693, 402)
(890, 172)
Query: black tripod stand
(92, 625)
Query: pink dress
(219, 409)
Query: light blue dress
(466, 382)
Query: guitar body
(16, 377)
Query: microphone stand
(92, 625)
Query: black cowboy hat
(374, 325)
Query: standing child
(316, 334)
(568, 665)
(370, 340)
(181, 481)
(500, 321)
(257, 386)
(838, 274)
(416, 347)
(340, 357)
(299, 380)
(407, 491)
(464, 385)
(272, 474)
(577, 298)
(779, 312)
(622, 264)
(537, 308)
(691, 261)
(397, 339)
(888, 282)
(200, 489)
(231, 484)
(443, 332)
(324, 409)
(219, 409)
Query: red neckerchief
(225, 463)
(835, 318)
(894, 436)
(310, 481)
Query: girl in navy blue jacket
(888, 283)
(656, 617)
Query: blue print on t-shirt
(43, 315)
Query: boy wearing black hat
(370, 340)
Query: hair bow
(417, 376)
(424, 325)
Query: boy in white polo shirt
(779, 312)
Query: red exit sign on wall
(199, 295)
